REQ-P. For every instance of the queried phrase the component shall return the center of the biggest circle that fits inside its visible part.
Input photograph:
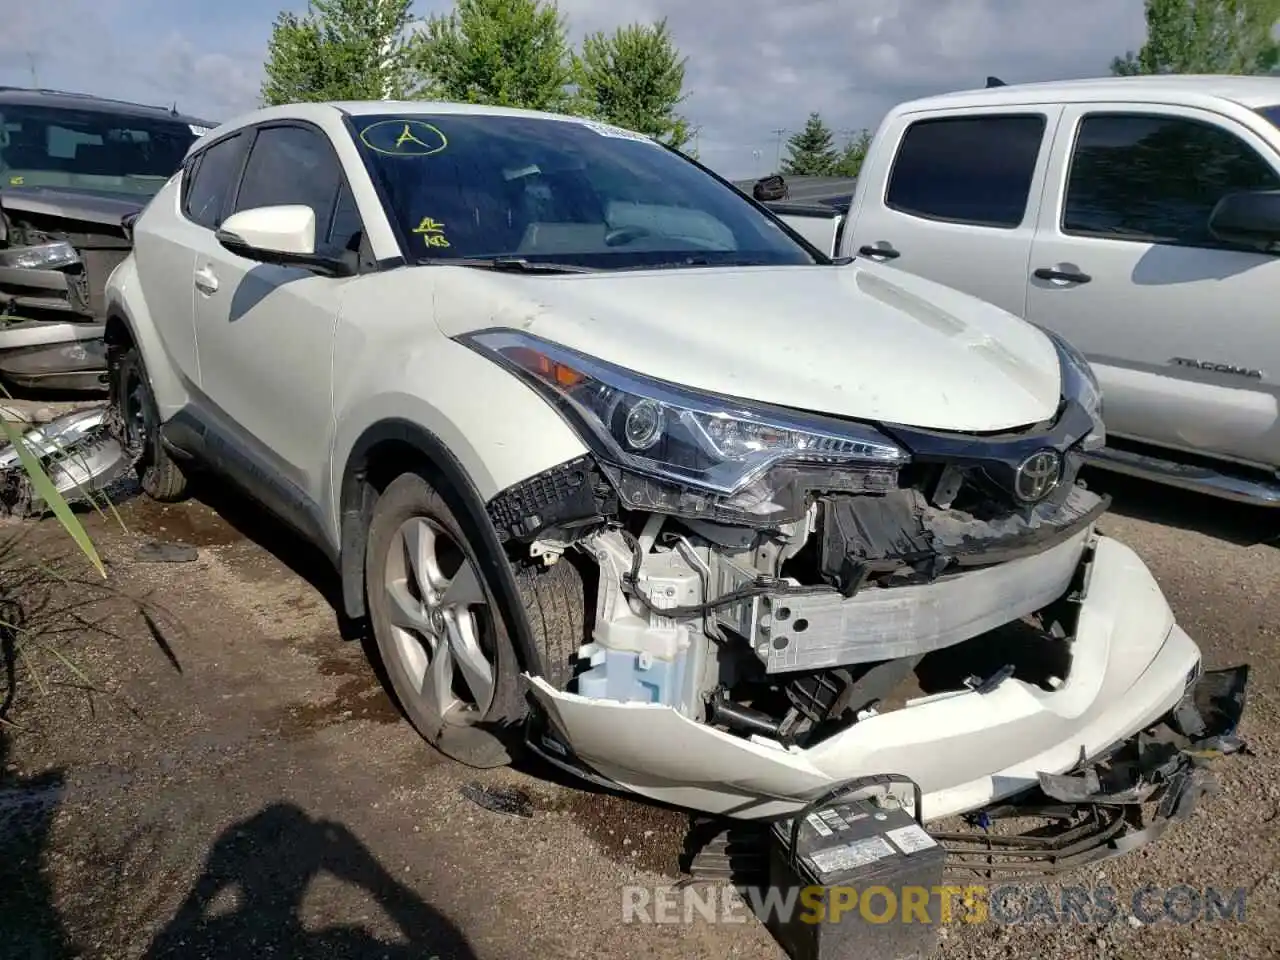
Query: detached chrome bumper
(1131, 665)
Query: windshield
(90, 150)
(1272, 114)
(560, 191)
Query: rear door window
(1155, 178)
(976, 170)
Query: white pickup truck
(1138, 217)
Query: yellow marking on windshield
(432, 232)
(17, 181)
(404, 138)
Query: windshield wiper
(511, 264)
(696, 261)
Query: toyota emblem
(1037, 476)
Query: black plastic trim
(796, 208)
(464, 500)
(192, 438)
(998, 453)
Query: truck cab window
(1153, 178)
(975, 170)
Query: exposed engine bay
(798, 631)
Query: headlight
(1080, 383)
(746, 456)
(45, 256)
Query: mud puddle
(625, 830)
(190, 522)
(359, 695)
(630, 831)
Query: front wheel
(439, 630)
(137, 420)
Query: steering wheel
(616, 238)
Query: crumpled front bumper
(1095, 812)
(1131, 666)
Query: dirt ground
(200, 765)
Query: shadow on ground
(30, 925)
(1222, 519)
(248, 900)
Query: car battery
(861, 873)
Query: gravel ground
(202, 767)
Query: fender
(125, 304)
(358, 499)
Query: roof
(1247, 91)
(64, 100)
(361, 108)
(322, 111)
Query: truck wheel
(134, 409)
(440, 633)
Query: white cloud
(754, 65)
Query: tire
(556, 605)
(133, 408)
(417, 613)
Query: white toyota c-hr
(620, 468)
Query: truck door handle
(1071, 276)
(206, 280)
(885, 252)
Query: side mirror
(1248, 219)
(284, 235)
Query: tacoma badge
(1217, 367)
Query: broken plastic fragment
(156, 552)
(513, 802)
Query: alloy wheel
(440, 621)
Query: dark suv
(72, 168)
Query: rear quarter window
(213, 175)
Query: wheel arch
(387, 449)
(128, 323)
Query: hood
(862, 341)
(82, 206)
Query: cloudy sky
(754, 65)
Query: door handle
(1071, 276)
(885, 252)
(206, 280)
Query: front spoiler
(1095, 812)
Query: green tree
(634, 77)
(340, 50)
(811, 152)
(1205, 36)
(512, 53)
(849, 163)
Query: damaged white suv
(621, 468)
